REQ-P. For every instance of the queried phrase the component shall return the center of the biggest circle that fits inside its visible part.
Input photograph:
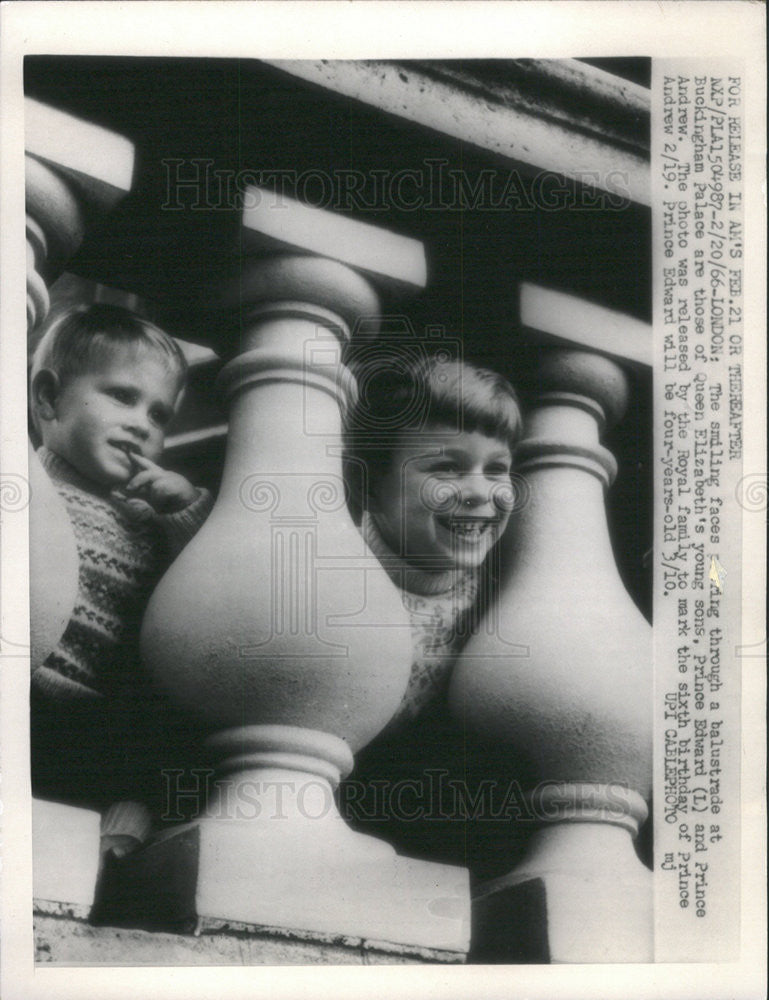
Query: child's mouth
(469, 529)
(127, 447)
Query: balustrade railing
(576, 710)
(252, 633)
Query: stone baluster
(576, 710)
(67, 186)
(249, 632)
(75, 173)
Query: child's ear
(46, 388)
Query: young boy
(104, 386)
(435, 440)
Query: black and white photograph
(378, 488)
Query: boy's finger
(141, 479)
(142, 461)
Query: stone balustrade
(254, 634)
(575, 710)
(67, 189)
(250, 633)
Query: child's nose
(139, 424)
(475, 492)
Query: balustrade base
(222, 870)
(563, 918)
(65, 856)
(62, 939)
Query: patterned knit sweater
(441, 608)
(123, 549)
(87, 738)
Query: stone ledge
(63, 939)
(358, 890)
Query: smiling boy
(442, 504)
(104, 387)
(435, 440)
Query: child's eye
(160, 415)
(121, 394)
(498, 469)
(445, 468)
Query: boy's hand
(166, 492)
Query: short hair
(83, 337)
(397, 402)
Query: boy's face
(446, 498)
(124, 404)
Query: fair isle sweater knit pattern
(440, 608)
(123, 549)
